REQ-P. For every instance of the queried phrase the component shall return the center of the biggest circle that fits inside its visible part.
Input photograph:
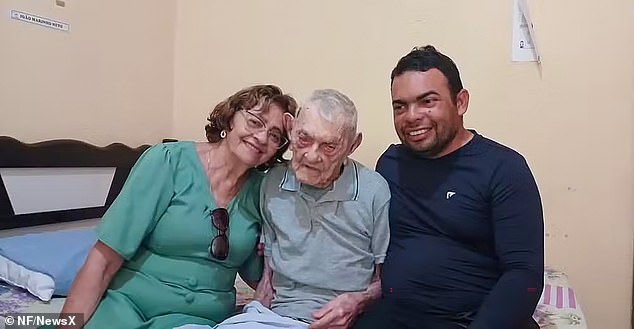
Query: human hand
(339, 312)
(264, 292)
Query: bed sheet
(17, 300)
(559, 306)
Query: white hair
(334, 107)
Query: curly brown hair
(249, 98)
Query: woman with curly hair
(185, 223)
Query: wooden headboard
(62, 153)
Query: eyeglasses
(256, 124)
(220, 244)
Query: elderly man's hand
(264, 292)
(339, 312)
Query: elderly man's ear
(357, 141)
(288, 121)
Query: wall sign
(41, 21)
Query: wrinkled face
(425, 117)
(256, 134)
(319, 147)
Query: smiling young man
(466, 222)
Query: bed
(52, 193)
(66, 227)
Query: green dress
(161, 225)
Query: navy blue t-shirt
(466, 236)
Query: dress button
(192, 282)
(189, 297)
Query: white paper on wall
(524, 46)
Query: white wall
(110, 79)
(572, 118)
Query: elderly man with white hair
(325, 225)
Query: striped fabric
(559, 297)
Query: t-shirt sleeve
(142, 201)
(381, 229)
(518, 228)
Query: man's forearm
(373, 292)
(267, 271)
(512, 301)
(264, 291)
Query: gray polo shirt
(323, 242)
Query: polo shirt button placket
(314, 215)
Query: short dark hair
(422, 59)
(246, 99)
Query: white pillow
(40, 285)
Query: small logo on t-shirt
(450, 194)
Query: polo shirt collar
(345, 188)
